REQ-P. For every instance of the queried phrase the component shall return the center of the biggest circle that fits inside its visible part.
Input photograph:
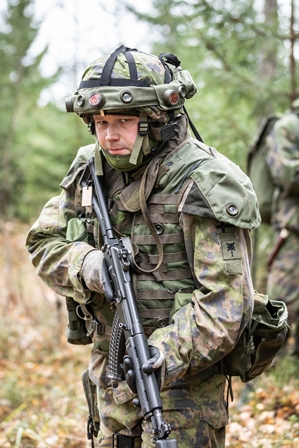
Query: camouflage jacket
(283, 162)
(216, 212)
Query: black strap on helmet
(108, 67)
(170, 58)
(106, 79)
(132, 65)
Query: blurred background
(242, 54)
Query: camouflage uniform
(283, 162)
(196, 303)
(205, 324)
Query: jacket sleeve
(56, 259)
(207, 328)
(283, 153)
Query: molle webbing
(156, 203)
(146, 260)
(159, 216)
(165, 239)
(167, 276)
(174, 274)
(156, 284)
(161, 294)
(159, 317)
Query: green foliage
(52, 142)
(236, 54)
(286, 371)
(20, 88)
(237, 57)
(37, 144)
(11, 392)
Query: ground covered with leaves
(42, 402)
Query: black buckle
(99, 328)
(142, 127)
(167, 132)
(90, 430)
(122, 441)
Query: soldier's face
(116, 133)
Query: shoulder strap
(263, 129)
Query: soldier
(283, 163)
(180, 201)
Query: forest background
(243, 56)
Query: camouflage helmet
(130, 81)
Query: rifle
(127, 330)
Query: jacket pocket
(76, 231)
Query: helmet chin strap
(142, 139)
(98, 160)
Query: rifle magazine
(116, 350)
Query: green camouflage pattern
(200, 419)
(53, 255)
(149, 68)
(206, 324)
(151, 96)
(283, 162)
(283, 277)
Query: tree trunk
(268, 62)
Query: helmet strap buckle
(143, 127)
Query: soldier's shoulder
(83, 154)
(221, 190)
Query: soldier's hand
(155, 364)
(129, 373)
(91, 271)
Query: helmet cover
(131, 79)
(132, 82)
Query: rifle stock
(127, 332)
